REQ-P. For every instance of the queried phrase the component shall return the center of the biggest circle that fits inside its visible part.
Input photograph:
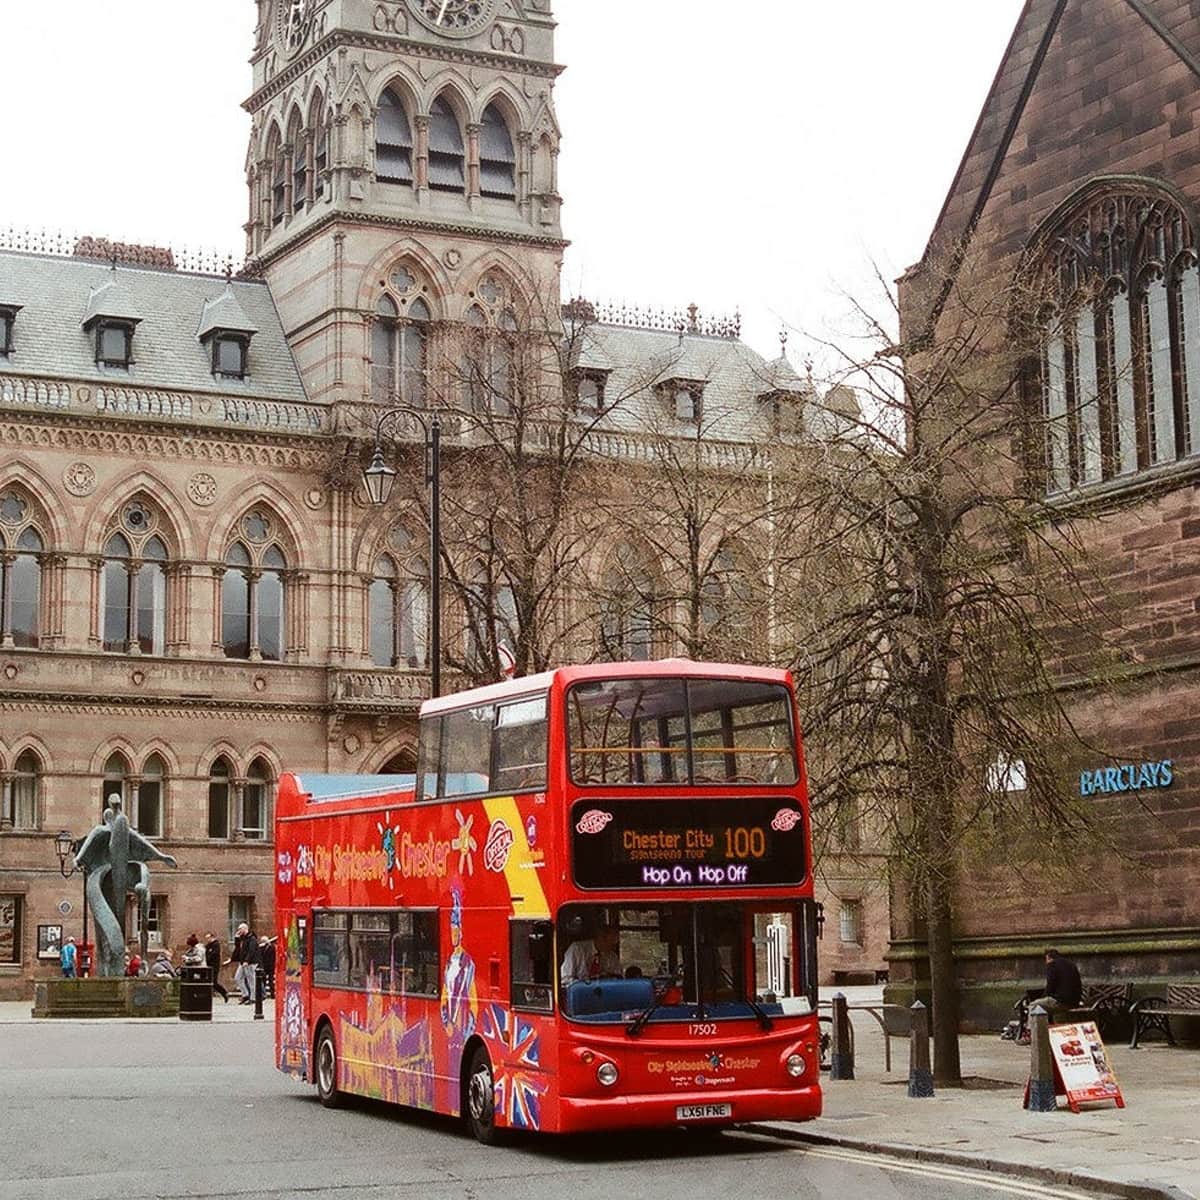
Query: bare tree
(931, 661)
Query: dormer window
(114, 343)
(225, 333)
(8, 319)
(229, 354)
(685, 398)
(589, 390)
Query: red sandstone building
(1086, 161)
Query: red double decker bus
(590, 909)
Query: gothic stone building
(188, 605)
(1085, 162)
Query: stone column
(421, 155)
(473, 130)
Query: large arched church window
(253, 592)
(393, 141)
(399, 343)
(220, 797)
(299, 162)
(115, 781)
(21, 549)
(1119, 366)
(490, 358)
(319, 139)
(135, 583)
(497, 161)
(258, 791)
(447, 158)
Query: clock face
(454, 17)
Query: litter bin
(195, 994)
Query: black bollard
(920, 1077)
(258, 991)
(1040, 1095)
(841, 1052)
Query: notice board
(1082, 1071)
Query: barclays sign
(1131, 777)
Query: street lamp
(66, 847)
(378, 479)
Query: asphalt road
(130, 1110)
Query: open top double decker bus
(591, 908)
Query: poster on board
(1082, 1071)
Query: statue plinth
(106, 998)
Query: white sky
(755, 154)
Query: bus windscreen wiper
(764, 1021)
(635, 1026)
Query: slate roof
(735, 379)
(58, 294)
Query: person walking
(212, 957)
(245, 954)
(67, 958)
(266, 956)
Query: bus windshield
(656, 731)
(692, 962)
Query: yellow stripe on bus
(520, 871)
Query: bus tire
(479, 1099)
(326, 1069)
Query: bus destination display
(697, 843)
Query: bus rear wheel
(327, 1070)
(479, 1099)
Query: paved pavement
(1151, 1148)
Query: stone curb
(1146, 1190)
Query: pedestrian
(163, 968)
(193, 956)
(266, 957)
(245, 954)
(67, 958)
(212, 956)
(1064, 988)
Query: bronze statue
(107, 854)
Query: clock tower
(402, 168)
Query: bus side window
(531, 963)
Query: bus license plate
(703, 1112)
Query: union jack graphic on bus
(516, 1063)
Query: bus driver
(592, 957)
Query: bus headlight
(607, 1073)
(796, 1065)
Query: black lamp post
(378, 479)
(66, 847)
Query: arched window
(393, 141)
(147, 816)
(399, 609)
(135, 584)
(490, 358)
(446, 158)
(1120, 335)
(497, 162)
(627, 624)
(21, 549)
(253, 592)
(219, 798)
(399, 339)
(319, 133)
(257, 792)
(25, 785)
(115, 782)
(726, 609)
(299, 157)
(278, 168)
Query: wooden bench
(1101, 1002)
(1155, 1012)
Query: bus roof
(674, 667)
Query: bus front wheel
(479, 1102)
(327, 1070)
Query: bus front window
(671, 731)
(706, 961)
